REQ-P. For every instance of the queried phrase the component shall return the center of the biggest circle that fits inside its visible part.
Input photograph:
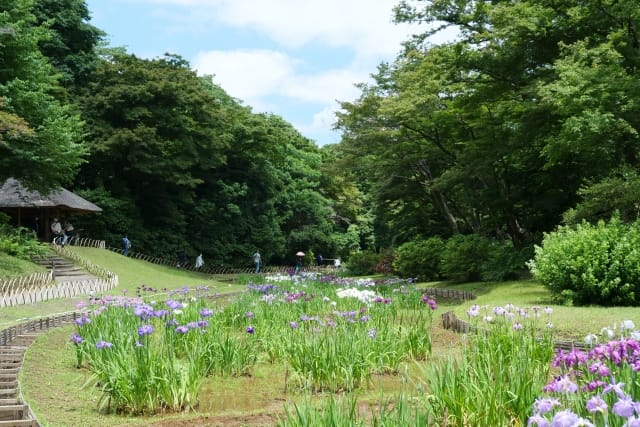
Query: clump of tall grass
(500, 372)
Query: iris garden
(149, 355)
(332, 337)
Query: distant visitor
(256, 261)
(126, 245)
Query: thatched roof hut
(32, 208)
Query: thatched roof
(14, 195)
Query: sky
(293, 58)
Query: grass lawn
(569, 322)
(11, 266)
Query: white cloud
(246, 74)
(253, 74)
(363, 26)
(260, 76)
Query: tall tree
(497, 131)
(71, 47)
(40, 138)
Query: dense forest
(528, 120)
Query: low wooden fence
(86, 242)
(9, 334)
(38, 293)
(42, 287)
(449, 293)
(452, 322)
(23, 282)
(96, 270)
(219, 270)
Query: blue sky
(293, 58)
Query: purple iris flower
(103, 344)
(173, 305)
(205, 312)
(182, 329)
(294, 325)
(596, 404)
(250, 329)
(624, 407)
(145, 330)
(84, 320)
(76, 339)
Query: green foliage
(72, 41)
(11, 266)
(362, 263)
(19, 242)
(619, 193)
(504, 262)
(40, 138)
(591, 264)
(420, 259)
(464, 256)
(494, 133)
(516, 358)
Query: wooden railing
(19, 291)
(22, 282)
(449, 293)
(86, 242)
(221, 270)
(96, 270)
(38, 293)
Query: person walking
(126, 245)
(257, 259)
(199, 262)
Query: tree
(40, 138)
(494, 133)
(71, 47)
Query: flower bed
(332, 334)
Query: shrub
(385, 262)
(464, 256)
(504, 262)
(361, 263)
(419, 259)
(591, 264)
(19, 242)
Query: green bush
(19, 242)
(464, 256)
(504, 262)
(361, 263)
(591, 264)
(419, 259)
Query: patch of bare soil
(222, 421)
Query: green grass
(11, 266)
(569, 322)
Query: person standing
(199, 262)
(256, 261)
(126, 245)
(68, 232)
(56, 230)
(298, 264)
